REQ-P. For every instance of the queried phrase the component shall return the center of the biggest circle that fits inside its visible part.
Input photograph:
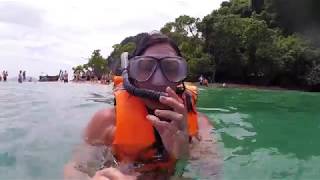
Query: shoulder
(100, 129)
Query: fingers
(173, 94)
(176, 118)
(167, 114)
(179, 113)
(112, 174)
(100, 178)
(100, 175)
(173, 103)
(157, 123)
(109, 173)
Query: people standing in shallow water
(151, 96)
(24, 77)
(61, 77)
(201, 80)
(20, 77)
(5, 75)
(205, 82)
(65, 76)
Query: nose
(158, 78)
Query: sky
(44, 36)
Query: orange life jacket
(192, 114)
(117, 80)
(135, 138)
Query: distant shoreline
(211, 85)
(89, 82)
(247, 86)
(220, 85)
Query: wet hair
(152, 39)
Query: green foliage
(313, 78)
(78, 68)
(127, 45)
(185, 33)
(97, 63)
(239, 6)
(294, 16)
(260, 42)
(252, 48)
(118, 49)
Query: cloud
(49, 35)
(20, 14)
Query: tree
(185, 33)
(98, 64)
(253, 48)
(114, 58)
(313, 77)
(78, 68)
(262, 42)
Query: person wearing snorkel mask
(154, 120)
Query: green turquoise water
(41, 124)
(266, 134)
(261, 134)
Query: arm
(205, 153)
(98, 133)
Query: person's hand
(112, 174)
(174, 134)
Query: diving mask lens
(141, 68)
(175, 69)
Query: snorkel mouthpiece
(139, 92)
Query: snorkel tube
(139, 92)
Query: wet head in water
(155, 65)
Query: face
(157, 81)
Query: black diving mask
(141, 68)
